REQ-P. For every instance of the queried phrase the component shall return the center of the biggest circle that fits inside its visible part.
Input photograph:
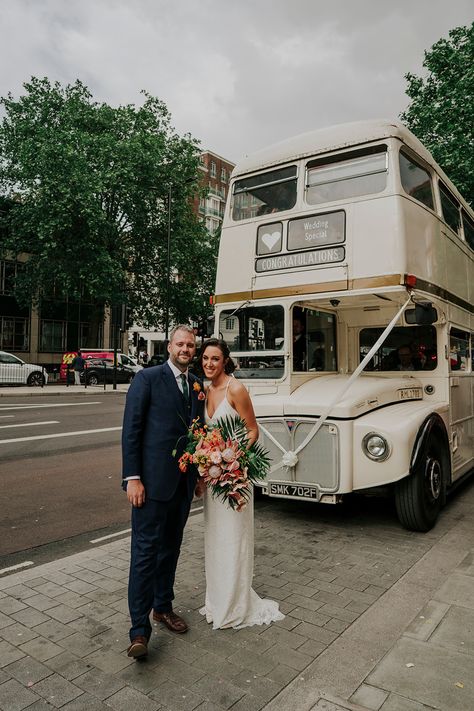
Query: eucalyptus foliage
(442, 106)
(88, 187)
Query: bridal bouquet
(224, 460)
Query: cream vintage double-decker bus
(345, 292)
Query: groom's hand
(136, 492)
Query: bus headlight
(376, 447)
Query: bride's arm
(240, 401)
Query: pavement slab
(362, 597)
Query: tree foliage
(442, 106)
(89, 185)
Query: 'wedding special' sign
(316, 230)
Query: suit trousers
(157, 532)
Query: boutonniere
(201, 394)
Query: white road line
(16, 567)
(111, 535)
(197, 510)
(31, 424)
(59, 434)
(3, 408)
(7, 417)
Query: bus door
(460, 402)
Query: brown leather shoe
(138, 648)
(172, 621)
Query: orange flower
(196, 387)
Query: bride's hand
(200, 488)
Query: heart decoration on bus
(270, 239)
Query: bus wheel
(420, 497)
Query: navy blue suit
(156, 421)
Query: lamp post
(168, 267)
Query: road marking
(59, 434)
(6, 417)
(195, 511)
(16, 567)
(3, 408)
(31, 424)
(111, 535)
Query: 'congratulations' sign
(309, 258)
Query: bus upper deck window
(347, 175)
(264, 194)
(450, 208)
(468, 227)
(416, 181)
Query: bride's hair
(229, 365)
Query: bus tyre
(35, 379)
(420, 496)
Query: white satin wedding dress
(228, 536)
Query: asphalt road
(60, 475)
(59, 472)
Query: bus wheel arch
(420, 496)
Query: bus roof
(324, 140)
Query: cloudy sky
(237, 74)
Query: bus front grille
(318, 462)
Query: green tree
(89, 185)
(442, 106)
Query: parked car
(14, 371)
(99, 368)
(97, 354)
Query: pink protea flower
(215, 456)
(214, 471)
(228, 455)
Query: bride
(230, 599)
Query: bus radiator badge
(290, 424)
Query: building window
(230, 324)
(213, 169)
(223, 175)
(52, 336)
(8, 272)
(14, 333)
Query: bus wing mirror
(425, 313)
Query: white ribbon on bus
(290, 458)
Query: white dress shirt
(177, 374)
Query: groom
(161, 403)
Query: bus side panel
(399, 424)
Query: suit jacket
(156, 421)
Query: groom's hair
(181, 327)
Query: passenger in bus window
(405, 358)
(319, 359)
(299, 342)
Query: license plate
(410, 394)
(292, 491)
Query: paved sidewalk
(376, 618)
